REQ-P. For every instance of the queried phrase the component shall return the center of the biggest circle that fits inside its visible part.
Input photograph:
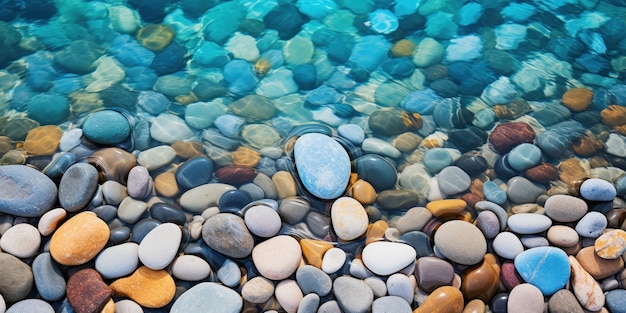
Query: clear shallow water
(79, 78)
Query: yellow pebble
(147, 287)
(79, 239)
(446, 206)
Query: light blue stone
(152, 102)
(405, 7)
(221, 21)
(48, 108)
(240, 76)
(595, 189)
(229, 273)
(616, 301)
(129, 52)
(201, 115)
(441, 25)
(464, 49)
(421, 101)
(316, 9)
(48, 278)
(555, 141)
(494, 193)
(383, 21)
(40, 73)
(547, 268)
(352, 132)
(208, 298)
(524, 156)
(323, 165)
(229, 125)
(591, 225)
(436, 159)
(500, 91)
(277, 83)
(485, 119)
(140, 78)
(210, 54)
(509, 36)
(323, 95)
(32, 195)
(68, 83)
(370, 52)
(470, 13)
(106, 127)
(518, 12)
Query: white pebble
(118, 261)
(190, 268)
(21, 240)
(333, 260)
(159, 247)
(262, 221)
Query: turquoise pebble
(323, 165)
(524, 156)
(354, 133)
(229, 125)
(383, 21)
(547, 268)
(494, 193)
(106, 127)
(436, 159)
(595, 189)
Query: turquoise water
(408, 88)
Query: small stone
(106, 127)
(440, 208)
(453, 180)
(385, 258)
(262, 221)
(43, 140)
(611, 244)
(562, 236)
(235, 174)
(586, 289)
(414, 219)
(349, 218)
(17, 278)
(432, 273)
(595, 189)
(313, 280)
(190, 268)
(285, 184)
(596, 266)
(140, 184)
(87, 292)
(21, 240)
(508, 135)
(27, 192)
(592, 225)
(149, 288)
(547, 268)
(194, 172)
(461, 242)
(288, 295)
(528, 223)
(156, 157)
(333, 260)
(165, 184)
(353, 295)
(155, 36)
(615, 301)
(31, 305)
(363, 192)
(565, 208)
(159, 247)
(397, 199)
(278, 257)
(577, 99)
(227, 234)
(521, 190)
(390, 304)
(204, 196)
(313, 250)
(482, 280)
(257, 290)
(507, 245)
(254, 107)
(245, 156)
(118, 261)
(49, 280)
(564, 301)
(79, 239)
(488, 223)
(78, 186)
(525, 298)
(445, 299)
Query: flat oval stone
(203, 196)
(106, 127)
(43, 140)
(167, 213)
(262, 221)
(333, 260)
(507, 245)
(159, 247)
(562, 236)
(522, 190)
(432, 273)
(349, 218)
(524, 156)
(17, 278)
(381, 147)
(140, 183)
(488, 223)
(149, 288)
(233, 201)
(26, 191)
(596, 266)
(227, 234)
(385, 258)
(313, 280)
(278, 257)
(547, 268)
(208, 297)
(353, 295)
(592, 225)
(48, 278)
(461, 242)
(78, 186)
(611, 244)
(377, 171)
(87, 292)
(190, 268)
(528, 223)
(118, 261)
(508, 135)
(323, 165)
(595, 189)
(194, 172)
(453, 180)
(156, 157)
(565, 208)
(21, 240)
(525, 298)
(79, 239)
(564, 301)
(235, 174)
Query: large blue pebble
(194, 172)
(106, 127)
(524, 156)
(436, 159)
(323, 165)
(547, 268)
(616, 300)
(25, 191)
(595, 189)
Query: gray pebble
(353, 295)
(391, 304)
(312, 279)
(77, 186)
(592, 225)
(48, 278)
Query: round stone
(313, 280)
(79, 239)
(385, 258)
(352, 294)
(525, 298)
(159, 247)
(118, 261)
(547, 268)
(323, 165)
(43, 140)
(461, 242)
(595, 189)
(562, 236)
(596, 266)
(432, 273)
(349, 218)
(611, 244)
(26, 191)
(190, 268)
(524, 156)
(565, 208)
(592, 225)
(453, 180)
(31, 305)
(194, 172)
(278, 257)
(333, 260)
(77, 186)
(507, 245)
(106, 127)
(21, 240)
(17, 278)
(257, 290)
(227, 234)
(262, 221)
(49, 280)
(577, 99)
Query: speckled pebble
(595, 189)
(257, 290)
(592, 225)
(352, 294)
(525, 298)
(79, 239)
(611, 244)
(461, 242)
(349, 218)
(565, 208)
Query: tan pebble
(363, 192)
(596, 266)
(525, 298)
(147, 287)
(475, 306)
(349, 218)
(43, 140)
(376, 231)
(613, 115)
(285, 184)
(288, 295)
(525, 208)
(444, 299)
(188, 149)
(5, 144)
(79, 239)
(165, 184)
(586, 289)
(13, 157)
(562, 236)
(611, 244)
(447, 206)
(109, 307)
(577, 99)
(403, 48)
(278, 257)
(571, 170)
(407, 142)
(313, 251)
(246, 156)
(50, 220)
(257, 290)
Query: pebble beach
(303, 156)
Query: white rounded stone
(507, 245)
(21, 240)
(49, 222)
(349, 218)
(333, 260)
(190, 268)
(118, 261)
(288, 295)
(278, 257)
(127, 306)
(262, 221)
(385, 258)
(159, 247)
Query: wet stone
(508, 135)
(385, 258)
(167, 213)
(312, 279)
(549, 275)
(453, 180)
(194, 172)
(106, 127)
(461, 242)
(43, 140)
(79, 239)
(352, 294)
(278, 257)
(482, 280)
(432, 273)
(235, 174)
(87, 292)
(592, 225)
(149, 288)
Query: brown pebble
(147, 287)
(403, 48)
(481, 281)
(285, 184)
(587, 145)
(616, 218)
(613, 115)
(188, 149)
(564, 301)
(43, 140)
(571, 171)
(376, 231)
(155, 36)
(577, 99)
(165, 184)
(475, 306)
(542, 173)
(596, 266)
(87, 292)
(246, 157)
(5, 145)
(446, 207)
(235, 174)
(407, 142)
(363, 192)
(112, 164)
(505, 136)
(444, 299)
(79, 239)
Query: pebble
(333, 260)
(363, 192)
(547, 268)
(87, 292)
(131, 210)
(528, 223)
(402, 286)
(592, 225)
(118, 261)
(525, 298)
(380, 147)
(564, 301)
(79, 239)
(43, 140)
(278, 257)
(190, 268)
(507, 245)
(445, 299)
(353, 295)
(565, 208)
(323, 165)
(140, 183)
(159, 247)
(595, 189)
(227, 234)
(414, 219)
(596, 266)
(562, 236)
(284, 184)
(444, 207)
(215, 298)
(17, 279)
(481, 281)
(488, 224)
(167, 213)
(521, 190)
(204, 196)
(262, 221)
(313, 280)
(615, 301)
(453, 180)
(156, 157)
(385, 258)
(21, 240)
(113, 192)
(128, 306)
(390, 304)
(461, 242)
(257, 290)
(288, 295)
(349, 218)
(229, 273)
(149, 288)
(29, 193)
(77, 186)
(106, 127)
(432, 273)
(49, 280)
(611, 244)
(586, 289)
